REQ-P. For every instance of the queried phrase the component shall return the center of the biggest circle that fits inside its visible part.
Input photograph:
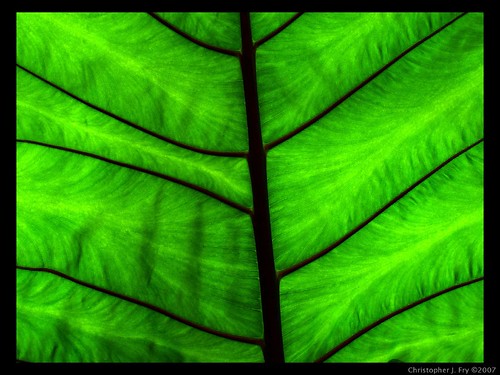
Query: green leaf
(264, 187)
(408, 336)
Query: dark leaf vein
(269, 288)
(150, 172)
(278, 30)
(135, 301)
(352, 232)
(393, 314)
(135, 126)
(322, 114)
(192, 39)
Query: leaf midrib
(267, 147)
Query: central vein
(269, 285)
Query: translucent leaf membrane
(138, 235)
(103, 328)
(50, 116)
(332, 176)
(265, 23)
(322, 56)
(439, 330)
(139, 261)
(216, 29)
(430, 240)
(135, 67)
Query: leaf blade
(157, 231)
(52, 117)
(421, 245)
(219, 29)
(318, 59)
(165, 244)
(86, 54)
(385, 129)
(406, 338)
(105, 329)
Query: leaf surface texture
(136, 201)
